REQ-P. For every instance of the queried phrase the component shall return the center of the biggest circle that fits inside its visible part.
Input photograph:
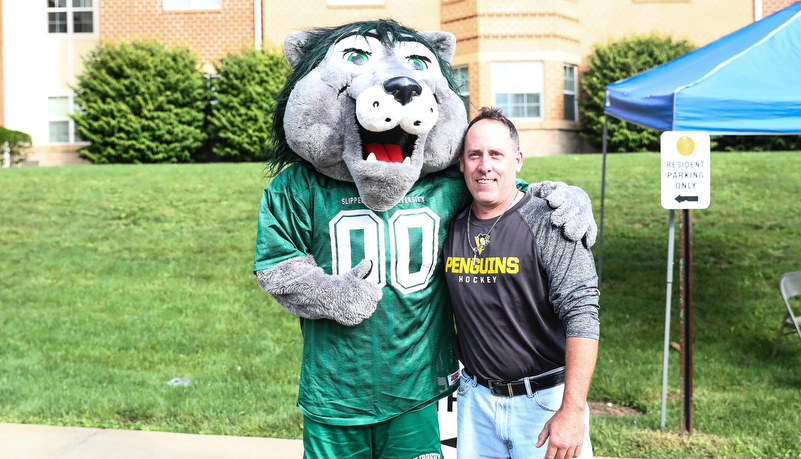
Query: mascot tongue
(388, 153)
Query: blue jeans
(507, 427)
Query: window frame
(69, 11)
(573, 93)
(72, 135)
(464, 90)
(535, 81)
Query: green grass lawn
(115, 279)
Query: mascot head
(372, 103)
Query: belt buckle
(492, 382)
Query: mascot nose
(403, 89)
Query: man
(525, 300)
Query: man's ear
(293, 44)
(444, 43)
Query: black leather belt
(512, 388)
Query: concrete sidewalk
(29, 441)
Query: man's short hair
(493, 114)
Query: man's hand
(566, 432)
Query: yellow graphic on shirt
(482, 240)
(491, 265)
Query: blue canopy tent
(745, 83)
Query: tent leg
(603, 191)
(671, 226)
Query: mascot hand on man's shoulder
(371, 105)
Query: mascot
(350, 233)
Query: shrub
(239, 122)
(614, 62)
(756, 143)
(17, 143)
(140, 102)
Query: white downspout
(757, 10)
(257, 22)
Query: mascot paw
(572, 210)
(353, 298)
(303, 289)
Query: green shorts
(411, 435)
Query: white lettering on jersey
(350, 225)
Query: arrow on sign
(681, 198)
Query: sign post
(685, 174)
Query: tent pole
(671, 237)
(603, 190)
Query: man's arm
(566, 427)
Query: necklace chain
(483, 239)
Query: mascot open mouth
(393, 146)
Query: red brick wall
(212, 33)
(771, 6)
(2, 86)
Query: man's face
(490, 163)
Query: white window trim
(69, 9)
(70, 122)
(574, 93)
(167, 7)
(494, 91)
(464, 91)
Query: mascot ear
(293, 44)
(444, 43)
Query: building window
(70, 16)
(192, 4)
(61, 126)
(517, 88)
(571, 102)
(462, 77)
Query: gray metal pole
(671, 229)
(603, 191)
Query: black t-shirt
(509, 315)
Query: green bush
(614, 62)
(756, 143)
(140, 102)
(17, 143)
(244, 93)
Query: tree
(240, 120)
(614, 62)
(140, 102)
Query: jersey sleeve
(285, 222)
(572, 280)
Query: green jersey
(402, 356)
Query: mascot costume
(350, 233)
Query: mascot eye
(357, 57)
(418, 63)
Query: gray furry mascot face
(371, 103)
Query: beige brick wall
(282, 17)
(54, 155)
(558, 32)
(700, 21)
(771, 6)
(212, 33)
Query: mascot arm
(284, 269)
(302, 288)
(572, 210)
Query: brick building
(525, 56)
